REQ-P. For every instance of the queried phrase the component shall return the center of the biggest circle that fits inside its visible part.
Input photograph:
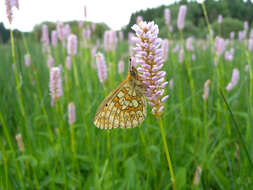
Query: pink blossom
(60, 32)
(229, 55)
(27, 60)
(167, 16)
(171, 83)
(93, 26)
(85, 11)
(189, 44)
(250, 46)
(246, 68)
(9, 6)
(8, 10)
(197, 176)
(71, 113)
(54, 38)
(15, 3)
(220, 19)
(232, 35)
(181, 56)
(87, 33)
(139, 19)
(176, 48)
(55, 84)
(149, 57)
(181, 17)
(110, 40)
(72, 44)
(234, 80)
(130, 37)
(94, 51)
(66, 31)
(242, 35)
(206, 89)
(50, 61)
(101, 66)
(171, 28)
(220, 45)
(20, 142)
(80, 24)
(121, 36)
(165, 48)
(45, 36)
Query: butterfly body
(125, 106)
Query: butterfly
(125, 106)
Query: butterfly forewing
(123, 108)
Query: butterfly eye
(133, 73)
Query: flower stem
(167, 154)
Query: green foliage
(199, 133)
(228, 25)
(239, 10)
(98, 33)
(4, 34)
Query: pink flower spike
(189, 44)
(45, 36)
(167, 16)
(206, 89)
(59, 29)
(165, 49)
(71, 113)
(171, 83)
(234, 80)
(101, 66)
(54, 38)
(55, 84)
(72, 45)
(8, 10)
(220, 19)
(27, 60)
(50, 61)
(181, 55)
(250, 46)
(220, 45)
(181, 17)
(85, 11)
(20, 142)
(150, 62)
(246, 68)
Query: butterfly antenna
(130, 64)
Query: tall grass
(80, 156)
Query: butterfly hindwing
(122, 108)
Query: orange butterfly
(125, 106)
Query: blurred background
(122, 15)
(59, 59)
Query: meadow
(208, 128)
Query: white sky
(115, 13)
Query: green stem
(167, 154)
(7, 135)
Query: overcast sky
(115, 13)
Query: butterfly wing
(122, 108)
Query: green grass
(197, 133)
